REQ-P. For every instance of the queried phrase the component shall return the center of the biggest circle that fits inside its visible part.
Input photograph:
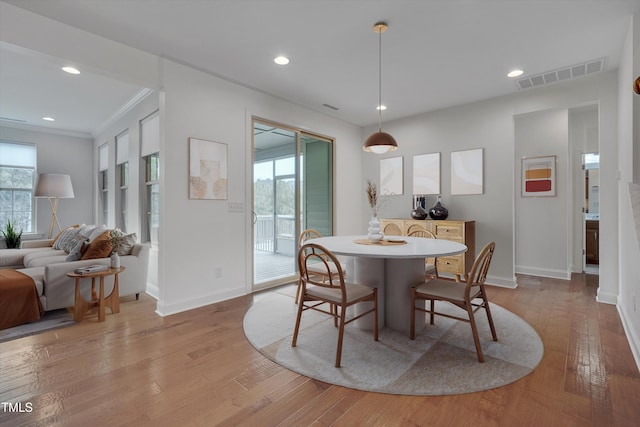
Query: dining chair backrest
(417, 231)
(480, 267)
(391, 229)
(307, 234)
(321, 258)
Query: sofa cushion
(46, 260)
(15, 257)
(55, 239)
(100, 247)
(32, 258)
(76, 252)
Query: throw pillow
(126, 244)
(86, 231)
(55, 239)
(76, 252)
(100, 247)
(97, 232)
(67, 240)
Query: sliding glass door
(292, 190)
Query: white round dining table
(393, 268)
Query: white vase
(115, 260)
(375, 235)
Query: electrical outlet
(217, 272)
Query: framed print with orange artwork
(539, 176)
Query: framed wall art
(426, 174)
(539, 176)
(207, 170)
(391, 176)
(466, 172)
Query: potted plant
(11, 237)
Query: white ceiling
(435, 54)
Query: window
(103, 182)
(17, 178)
(152, 197)
(124, 192)
(104, 196)
(150, 153)
(122, 169)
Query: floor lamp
(54, 186)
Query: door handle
(255, 217)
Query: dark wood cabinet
(592, 239)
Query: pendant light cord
(380, 80)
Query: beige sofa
(48, 268)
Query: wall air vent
(9, 119)
(577, 70)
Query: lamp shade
(54, 185)
(379, 143)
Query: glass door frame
(298, 196)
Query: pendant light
(380, 142)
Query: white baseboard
(543, 272)
(189, 304)
(606, 298)
(634, 340)
(503, 282)
(153, 290)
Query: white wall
(542, 223)
(490, 125)
(65, 154)
(198, 236)
(628, 298)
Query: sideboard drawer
(450, 264)
(448, 231)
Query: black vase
(438, 212)
(419, 211)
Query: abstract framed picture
(466, 172)
(539, 176)
(426, 174)
(391, 176)
(207, 170)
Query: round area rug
(441, 360)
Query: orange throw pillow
(100, 247)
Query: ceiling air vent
(561, 74)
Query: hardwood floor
(197, 369)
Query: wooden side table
(113, 300)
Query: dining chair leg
(296, 329)
(474, 330)
(298, 289)
(412, 323)
(432, 316)
(375, 314)
(343, 311)
(489, 316)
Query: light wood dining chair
(334, 291)
(431, 264)
(307, 234)
(391, 229)
(469, 296)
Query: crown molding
(122, 111)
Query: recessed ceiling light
(381, 107)
(515, 73)
(70, 70)
(281, 60)
(49, 119)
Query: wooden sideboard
(458, 231)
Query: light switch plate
(236, 207)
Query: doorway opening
(591, 221)
(292, 191)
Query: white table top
(416, 247)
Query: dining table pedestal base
(393, 277)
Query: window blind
(122, 148)
(150, 134)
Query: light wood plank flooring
(197, 369)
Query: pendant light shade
(380, 142)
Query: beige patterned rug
(441, 361)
